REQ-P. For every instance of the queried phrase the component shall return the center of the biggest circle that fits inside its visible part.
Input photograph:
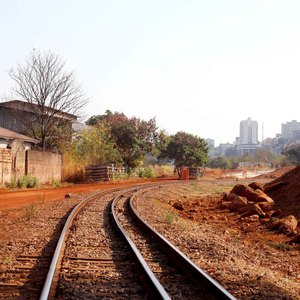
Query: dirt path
(14, 199)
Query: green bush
(55, 183)
(146, 173)
(27, 181)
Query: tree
(93, 120)
(93, 146)
(293, 153)
(186, 150)
(220, 162)
(53, 94)
(133, 137)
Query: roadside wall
(18, 158)
(46, 166)
(5, 165)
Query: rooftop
(12, 135)
(31, 107)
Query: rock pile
(251, 200)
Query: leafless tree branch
(53, 93)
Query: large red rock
(266, 206)
(237, 202)
(256, 186)
(262, 197)
(251, 194)
(244, 191)
(251, 209)
(285, 225)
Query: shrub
(55, 183)
(30, 211)
(146, 173)
(27, 181)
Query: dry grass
(72, 170)
(160, 171)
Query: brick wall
(46, 166)
(5, 165)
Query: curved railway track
(93, 262)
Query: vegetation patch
(30, 211)
(171, 217)
(281, 246)
(25, 181)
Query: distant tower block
(248, 140)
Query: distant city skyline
(196, 66)
(289, 130)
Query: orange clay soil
(17, 198)
(285, 191)
(277, 173)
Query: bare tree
(53, 95)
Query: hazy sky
(197, 66)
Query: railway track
(25, 276)
(93, 262)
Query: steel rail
(49, 287)
(50, 284)
(197, 275)
(155, 288)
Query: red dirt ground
(277, 173)
(13, 199)
(285, 191)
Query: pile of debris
(250, 201)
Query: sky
(196, 66)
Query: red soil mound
(285, 191)
(277, 173)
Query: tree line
(55, 96)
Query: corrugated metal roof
(11, 135)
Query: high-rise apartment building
(248, 139)
(248, 132)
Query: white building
(248, 139)
(248, 132)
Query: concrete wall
(5, 165)
(46, 166)
(18, 158)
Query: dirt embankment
(275, 174)
(285, 191)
